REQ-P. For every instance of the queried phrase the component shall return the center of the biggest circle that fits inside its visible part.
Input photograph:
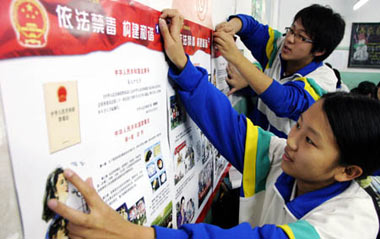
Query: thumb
(164, 29)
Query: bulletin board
(365, 45)
(84, 86)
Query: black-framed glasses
(297, 36)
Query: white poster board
(84, 86)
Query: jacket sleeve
(212, 112)
(292, 98)
(243, 144)
(201, 230)
(260, 39)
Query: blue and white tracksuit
(280, 106)
(268, 206)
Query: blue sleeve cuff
(164, 233)
(188, 79)
(202, 230)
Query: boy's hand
(227, 47)
(231, 27)
(102, 222)
(171, 23)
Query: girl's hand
(171, 23)
(102, 222)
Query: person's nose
(290, 37)
(293, 139)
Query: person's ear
(319, 53)
(348, 173)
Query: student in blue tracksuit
(294, 62)
(302, 187)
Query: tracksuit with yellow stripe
(278, 113)
(268, 208)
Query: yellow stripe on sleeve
(249, 171)
(288, 231)
(309, 88)
(269, 47)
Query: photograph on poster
(155, 166)
(163, 177)
(205, 180)
(220, 163)
(58, 188)
(184, 160)
(123, 211)
(137, 212)
(165, 218)
(177, 112)
(190, 210)
(206, 148)
(185, 209)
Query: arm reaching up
(171, 23)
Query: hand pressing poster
(83, 86)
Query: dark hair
(50, 191)
(58, 224)
(365, 88)
(324, 26)
(355, 122)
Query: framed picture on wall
(365, 45)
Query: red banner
(48, 27)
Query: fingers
(221, 26)
(76, 231)
(222, 38)
(89, 193)
(225, 27)
(70, 214)
(169, 13)
(171, 22)
(175, 20)
(164, 30)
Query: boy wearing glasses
(294, 75)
